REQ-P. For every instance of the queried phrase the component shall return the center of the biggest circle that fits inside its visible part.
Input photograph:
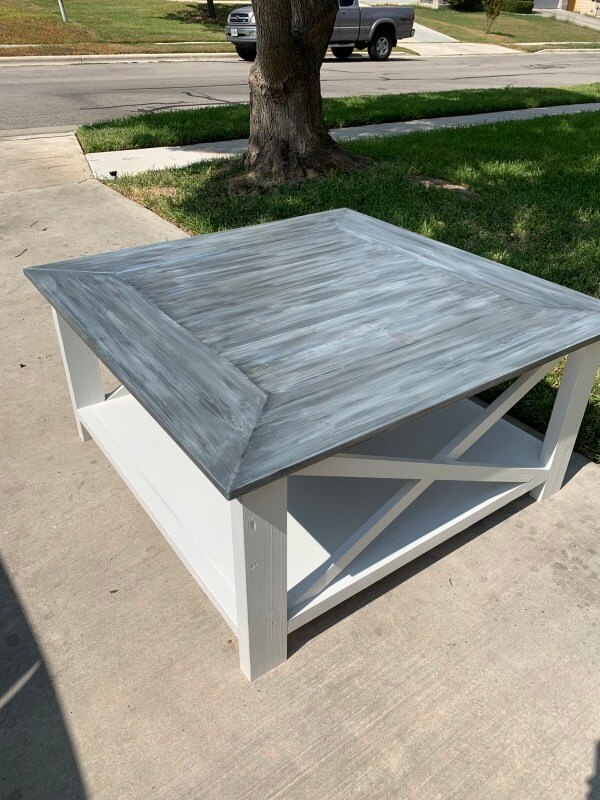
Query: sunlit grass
(171, 128)
(109, 21)
(509, 29)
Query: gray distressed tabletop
(264, 349)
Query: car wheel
(247, 53)
(380, 46)
(342, 53)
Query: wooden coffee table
(294, 412)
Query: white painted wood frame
(259, 525)
(409, 492)
(350, 465)
(240, 558)
(569, 407)
(81, 368)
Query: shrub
(465, 5)
(195, 12)
(492, 12)
(517, 6)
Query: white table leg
(569, 407)
(81, 368)
(259, 521)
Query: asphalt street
(34, 97)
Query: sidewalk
(583, 20)
(440, 49)
(469, 674)
(424, 34)
(132, 162)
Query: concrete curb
(569, 50)
(132, 162)
(115, 58)
(38, 133)
(433, 49)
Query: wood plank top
(264, 349)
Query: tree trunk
(289, 140)
(210, 7)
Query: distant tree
(492, 10)
(289, 139)
(210, 7)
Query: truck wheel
(247, 53)
(342, 53)
(380, 46)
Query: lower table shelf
(322, 512)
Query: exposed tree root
(270, 166)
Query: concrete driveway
(472, 673)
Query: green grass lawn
(98, 25)
(171, 128)
(536, 207)
(469, 26)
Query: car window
(344, 3)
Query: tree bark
(289, 140)
(210, 7)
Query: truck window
(345, 3)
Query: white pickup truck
(374, 28)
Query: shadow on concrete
(36, 756)
(594, 781)
(303, 635)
